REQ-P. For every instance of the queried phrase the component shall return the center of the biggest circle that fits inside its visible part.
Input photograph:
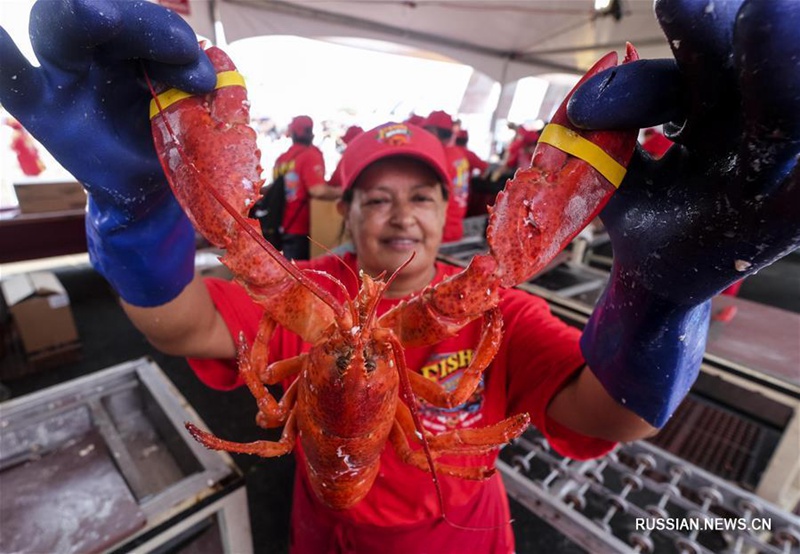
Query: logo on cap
(394, 135)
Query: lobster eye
(343, 361)
(369, 361)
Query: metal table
(103, 464)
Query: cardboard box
(49, 196)
(40, 309)
(326, 226)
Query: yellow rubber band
(169, 97)
(572, 143)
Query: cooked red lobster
(356, 362)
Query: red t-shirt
(302, 167)
(27, 156)
(336, 177)
(458, 190)
(475, 161)
(538, 354)
(519, 154)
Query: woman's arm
(188, 325)
(584, 406)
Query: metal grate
(720, 441)
(603, 505)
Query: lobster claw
(572, 176)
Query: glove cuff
(645, 349)
(149, 259)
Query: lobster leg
(270, 412)
(417, 458)
(270, 419)
(484, 439)
(265, 449)
(467, 441)
(487, 347)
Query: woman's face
(398, 208)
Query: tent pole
(216, 19)
(502, 103)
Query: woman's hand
(721, 204)
(725, 200)
(88, 105)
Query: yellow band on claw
(169, 97)
(572, 143)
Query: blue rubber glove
(722, 203)
(88, 105)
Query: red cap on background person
(415, 119)
(352, 132)
(301, 125)
(439, 119)
(392, 139)
(530, 137)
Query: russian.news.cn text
(755, 524)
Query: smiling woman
(397, 210)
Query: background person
(352, 132)
(440, 123)
(303, 170)
(619, 379)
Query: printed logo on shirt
(394, 135)
(291, 179)
(446, 370)
(292, 183)
(282, 169)
(461, 181)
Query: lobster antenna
(351, 304)
(291, 269)
(339, 258)
(389, 281)
(342, 288)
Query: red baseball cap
(530, 137)
(352, 132)
(439, 119)
(392, 139)
(301, 124)
(415, 119)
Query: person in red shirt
(521, 149)
(303, 169)
(479, 199)
(476, 164)
(394, 204)
(28, 157)
(440, 123)
(352, 132)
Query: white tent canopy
(504, 39)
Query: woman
(394, 206)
